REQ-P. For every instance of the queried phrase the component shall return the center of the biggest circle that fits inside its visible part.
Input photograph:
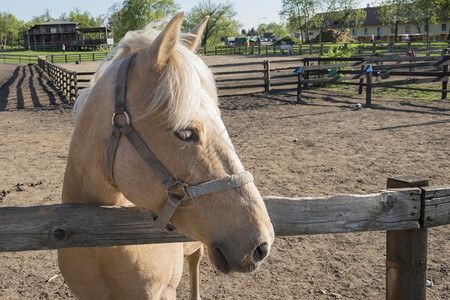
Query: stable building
(373, 26)
(53, 35)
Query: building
(372, 26)
(53, 35)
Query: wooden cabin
(53, 35)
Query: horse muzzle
(224, 261)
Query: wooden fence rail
(397, 72)
(75, 225)
(427, 48)
(64, 80)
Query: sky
(250, 13)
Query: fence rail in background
(64, 80)
(54, 58)
(387, 71)
(377, 71)
(424, 48)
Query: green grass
(391, 93)
(58, 56)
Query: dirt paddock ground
(323, 147)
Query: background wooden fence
(424, 48)
(64, 80)
(403, 212)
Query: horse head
(171, 103)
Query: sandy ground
(322, 147)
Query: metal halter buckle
(178, 190)
(113, 119)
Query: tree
(43, 18)
(393, 12)
(328, 8)
(298, 14)
(136, 14)
(424, 12)
(276, 29)
(252, 32)
(9, 29)
(85, 18)
(347, 15)
(220, 25)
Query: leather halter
(174, 187)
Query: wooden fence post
(299, 88)
(361, 82)
(369, 90)
(406, 253)
(267, 75)
(445, 81)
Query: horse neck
(86, 180)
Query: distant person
(407, 38)
(64, 48)
(378, 38)
(372, 38)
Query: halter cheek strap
(178, 191)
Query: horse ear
(163, 47)
(193, 39)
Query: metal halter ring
(113, 120)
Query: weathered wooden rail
(375, 72)
(76, 225)
(404, 213)
(242, 78)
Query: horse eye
(187, 135)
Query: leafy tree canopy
(220, 25)
(136, 14)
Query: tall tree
(298, 14)
(425, 12)
(43, 18)
(347, 15)
(393, 12)
(85, 18)
(9, 29)
(136, 14)
(220, 25)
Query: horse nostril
(260, 252)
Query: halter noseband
(174, 187)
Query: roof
(95, 29)
(53, 23)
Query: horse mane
(185, 84)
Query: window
(354, 32)
(366, 31)
(392, 29)
(47, 30)
(444, 27)
(408, 29)
(66, 29)
(379, 30)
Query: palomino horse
(166, 151)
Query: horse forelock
(185, 84)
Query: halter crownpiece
(177, 190)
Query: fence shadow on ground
(28, 87)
